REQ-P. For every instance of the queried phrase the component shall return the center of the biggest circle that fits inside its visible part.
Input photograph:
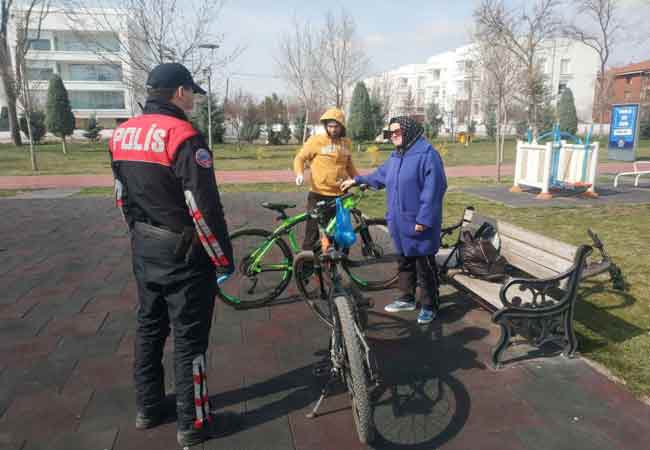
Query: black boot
(219, 425)
(149, 418)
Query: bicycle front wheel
(372, 261)
(356, 373)
(263, 267)
(309, 281)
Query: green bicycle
(264, 259)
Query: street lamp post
(208, 72)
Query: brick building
(627, 84)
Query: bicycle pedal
(322, 369)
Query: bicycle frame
(330, 257)
(287, 227)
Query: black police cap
(171, 76)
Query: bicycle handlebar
(325, 205)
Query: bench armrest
(448, 231)
(537, 290)
(538, 296)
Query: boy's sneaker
(219, 425)
(426, 316)
(404, 303)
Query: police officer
(165, 186)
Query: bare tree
(341, 60)
(598, 28)
(26, 20)
(150, 32)
(235, 113)
(500, 81)
(408, 103)
(296, 63)
(382, 88)
(521, 30)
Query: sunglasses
(389, 133)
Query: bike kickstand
(323, 394)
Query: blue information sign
(623, 132)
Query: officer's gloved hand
(300, 180)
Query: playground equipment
(636, 173)
(564, 164)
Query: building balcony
(70, 56)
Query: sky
(394, 33)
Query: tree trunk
(304, 128)
(10, 94)
(498, 143)
(32, 151)
(503, 133)
(63, 145)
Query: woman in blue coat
(415, 182)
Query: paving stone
(111, 304)
(226, 333)
(268, 332)
(44, 415)
(162, 437)
(103, 440)
(41, 375)
(81, 324)
(25, 351)
(86, 346)
(109, 408)
(7, 442)
(98, 373)
(15, 330)
(119, 322)
(564, 435)
(18, 309)
(470, 440)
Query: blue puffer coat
(415, 185)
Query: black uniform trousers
(422, 271)
(176, 290)
(311, 229)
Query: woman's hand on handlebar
(347, 184)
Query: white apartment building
(444, 79)
(91, 60)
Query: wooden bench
(537, 304)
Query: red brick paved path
(67, 300)
(241, 176)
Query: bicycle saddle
(279, 207)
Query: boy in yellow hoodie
(330, 162)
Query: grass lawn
(93, 158)
(613, 327)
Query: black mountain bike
(345, 311)
(264, 259)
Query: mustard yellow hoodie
(330, 160)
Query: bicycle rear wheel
(372, 261)
(356, 372)
(262, 269)
(308, 282)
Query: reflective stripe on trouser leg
(201, 400)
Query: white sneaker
(399, 306)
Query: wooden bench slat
(557, 248)
(487, 290)
(534, 254)
(529, 266)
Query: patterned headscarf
(411, 131)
